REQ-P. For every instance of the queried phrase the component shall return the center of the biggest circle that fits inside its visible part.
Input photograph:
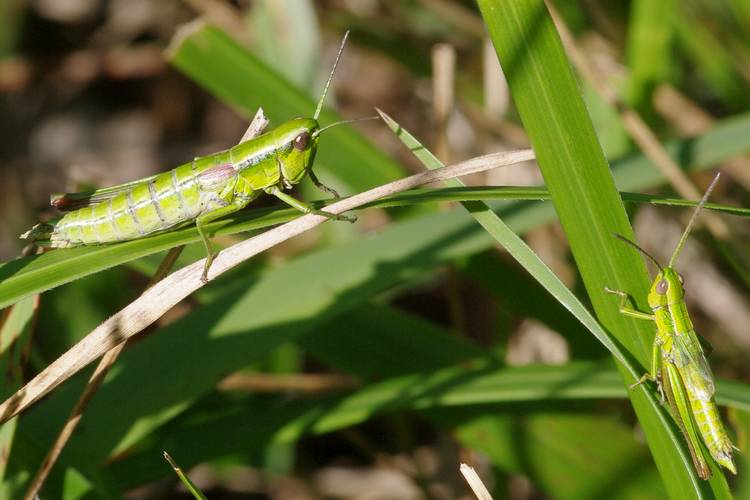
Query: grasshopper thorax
(666, 289)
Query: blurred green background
(366, 360)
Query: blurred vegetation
(369, 360)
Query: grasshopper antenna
(343, 122)
(690, 225)
(634, 245)
(330, 76)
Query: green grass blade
(583, 192)
(518, 250)
(215, 61)
(16, 325)
(500, 387)
(532, 193)
(191, 487)
(649, 48)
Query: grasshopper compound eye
(301, 141)
(662, 287)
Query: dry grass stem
(496, 90)
(691, 120)
(476, 484)
(443, 76)
(257, 126)
(307, 382)
(157, 300)
(107, 361)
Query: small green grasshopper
(203, 190)
(678, 358)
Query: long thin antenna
(342, 122)
(330, 77)
(634, 245)
(693, 219)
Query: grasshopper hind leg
(204, 219)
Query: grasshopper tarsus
(209, 260)
(644, 378)
(342, 217)
(330, 191)
(347, 218)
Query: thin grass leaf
(191, 487)
(39, 273)
(501, 388)
(16, 325)
(518, 249)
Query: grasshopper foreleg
(652, 375)
(626, 309)
(322, 186)
(305, 208)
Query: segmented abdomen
(706, 416)
(167, 200)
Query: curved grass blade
(518, 250)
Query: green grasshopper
(678, 358)
(203, 190)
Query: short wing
(692, 364)
(73, 201)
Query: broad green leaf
(547, 447)
(380, 332)
(585, 198)
(288, 39)
(501, 389)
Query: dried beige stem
(157, 300)
(691, 120)
(257, 126)
(475, 482)
(443, 76)
(310, 383)
(89, 391)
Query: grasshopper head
(666, 289)
(300, 142)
